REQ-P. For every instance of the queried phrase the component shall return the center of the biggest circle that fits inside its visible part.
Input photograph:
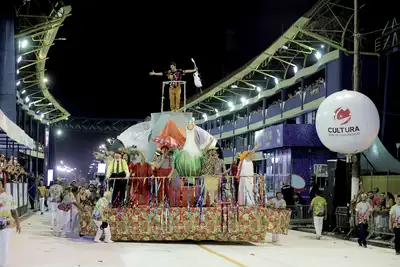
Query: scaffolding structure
(98, 125)
(37, 25)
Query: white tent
(378, 159)
(11, 134)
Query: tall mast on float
(355, 170)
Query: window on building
(309, 118)
(252, 139)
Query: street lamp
(23, 44)
(59, 132)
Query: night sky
(101, 69)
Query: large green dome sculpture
(188, 162)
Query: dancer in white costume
(246, 178)
(55, 191)
(100, 220)
(8, 212)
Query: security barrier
(379, 227)
(343, 220)
(300, 215)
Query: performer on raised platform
(213, 169)
(164, 168)
(174, 75)
(246, 182)
(139, 190)
(117, 168)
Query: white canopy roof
(11, 134)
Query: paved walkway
(36, 247)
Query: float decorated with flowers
(174, 186)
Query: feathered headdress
(133, 152)
(99, 156)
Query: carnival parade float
(173, 202)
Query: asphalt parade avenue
(37, 247)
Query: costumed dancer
(128, 158)
(139, 190)
(170, 138)
(164, 169)
(92, 195)
(117, 168)
(100, 220)
(64, 213)
(8, 211)
(213, 169)
(56, 191)
(234, 172)
(75, 210)
(246, 178)
(175, 76)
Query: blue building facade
(9, 53)
(285, 127)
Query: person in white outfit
(363, 214)
(74, 226)
(55, 191)
(100, 220)
(64, 213)
(246, 179)
(41, 192)
(8, 210)
(278, 203)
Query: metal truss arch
(322, 30)
(38, 22)
(95, 125)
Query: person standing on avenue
(8, 211)
(56, 191)
(394, 224)
(277, 203)
(41, 192)
(363, 212)
(318, 207)
(100, 219)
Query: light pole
(355, 168)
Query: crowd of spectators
(11, 170)
(312, 88)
